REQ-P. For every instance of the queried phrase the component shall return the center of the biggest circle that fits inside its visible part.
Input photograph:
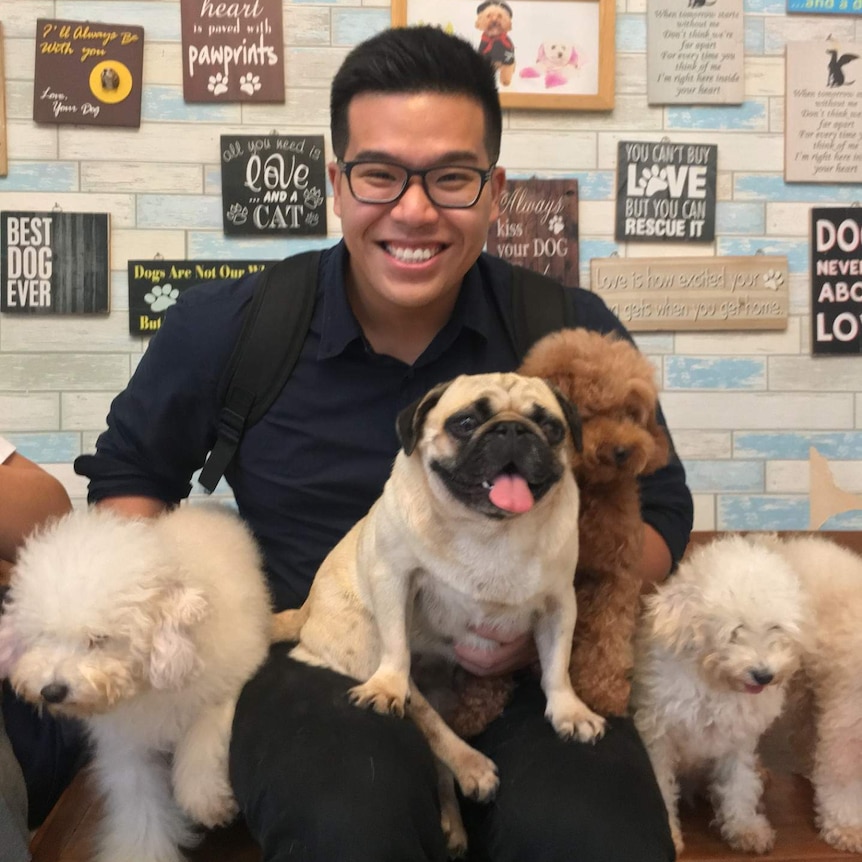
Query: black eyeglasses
(447, 186)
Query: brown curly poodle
(613, 386)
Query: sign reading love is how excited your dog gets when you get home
(666, 191)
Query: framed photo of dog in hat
(551, 54)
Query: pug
(476, 526)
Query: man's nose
(415, 204)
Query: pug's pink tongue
(511, 494)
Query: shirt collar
(339, 326)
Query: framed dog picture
(548, 54)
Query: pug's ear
(411, 420)
(173, 654)
(572, 417)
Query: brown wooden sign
(538, 227)
(54, 263)
(689, 293)
(88, 74)
(232, 52)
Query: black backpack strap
(264, 356)
(539, 306)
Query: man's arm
(131, 507)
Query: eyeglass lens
(447, 185)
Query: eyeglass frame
(422, 173)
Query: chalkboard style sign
(538, 227)
(232, 52)
(54, 263)
(836, 280)
(273, 184)
(88, 74)
(156, 285)
(666, 192)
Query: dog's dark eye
(97, 641)
(553, 430)
(462, 425)
(734, 635)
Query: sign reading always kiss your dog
(273, 184)
(666, 192)
(694, 293)
(538, 227)
(836, 280)
(156, 285)
(54, 263)
(695, 52)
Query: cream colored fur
(147, 630)
(726, 622)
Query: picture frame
(537, 68)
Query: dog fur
(613, 386)
(434, 557)
(146, 630)
(825, 705)
(716, 648)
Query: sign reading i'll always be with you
(54, 263)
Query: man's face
(411, 254)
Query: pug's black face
(504, 463)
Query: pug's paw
(384, 693)
(575, 720)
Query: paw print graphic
(772, 279)
(312, 219)
(249, 83)
(218, 84)
(653, 180)
(162, 296)
(313, 197)
(237, 213)
(555, 224)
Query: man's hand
(510, 653)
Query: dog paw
(455, 834)
(476, 775)
(381, 694)
(210, 807)
(753, 836)
(578, 723)
(676, 837)
(848, 838)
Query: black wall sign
(666, 192)
(836, 280)
(54, 263)
(273, 184)
(156, 285)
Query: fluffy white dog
(146, 630)
(717, 644)
(826, 702)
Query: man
(405, 301)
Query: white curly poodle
(146, 630)
(717, 644)
(825, 711)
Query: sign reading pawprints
(156, 285)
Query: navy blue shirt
(314, 464)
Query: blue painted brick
(685, 372)
(749, 116)
(795, 251)
(758, 512)
(41, 176)
(739, 218)
(351, 26)
(57, 448)
(710, 477)
(790, 446)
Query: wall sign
(273, 184)
(156, 285)
(232, 52)
(88, 74)
(689, 293)
(4, 153)
(836, 280)
(538, 227)
(823, 112)
(695, 53)
(54, 263)
(665, 191)
(825, 7)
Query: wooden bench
(67, 834)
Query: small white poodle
(716, 646)
(825, 708)
(147, 630)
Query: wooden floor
(67, 835)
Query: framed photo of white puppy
(548, 54)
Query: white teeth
(487, 485)
(411, 255)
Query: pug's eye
(553, 430)
(97, 641)
(462, 425)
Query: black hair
(415, 60)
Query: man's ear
(173, 655)
(573, 418)
(497, 184)
(411, 420)
(334, 175)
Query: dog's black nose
(55, 692)
(762, 677)
(621, 455)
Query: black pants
(321, 780)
